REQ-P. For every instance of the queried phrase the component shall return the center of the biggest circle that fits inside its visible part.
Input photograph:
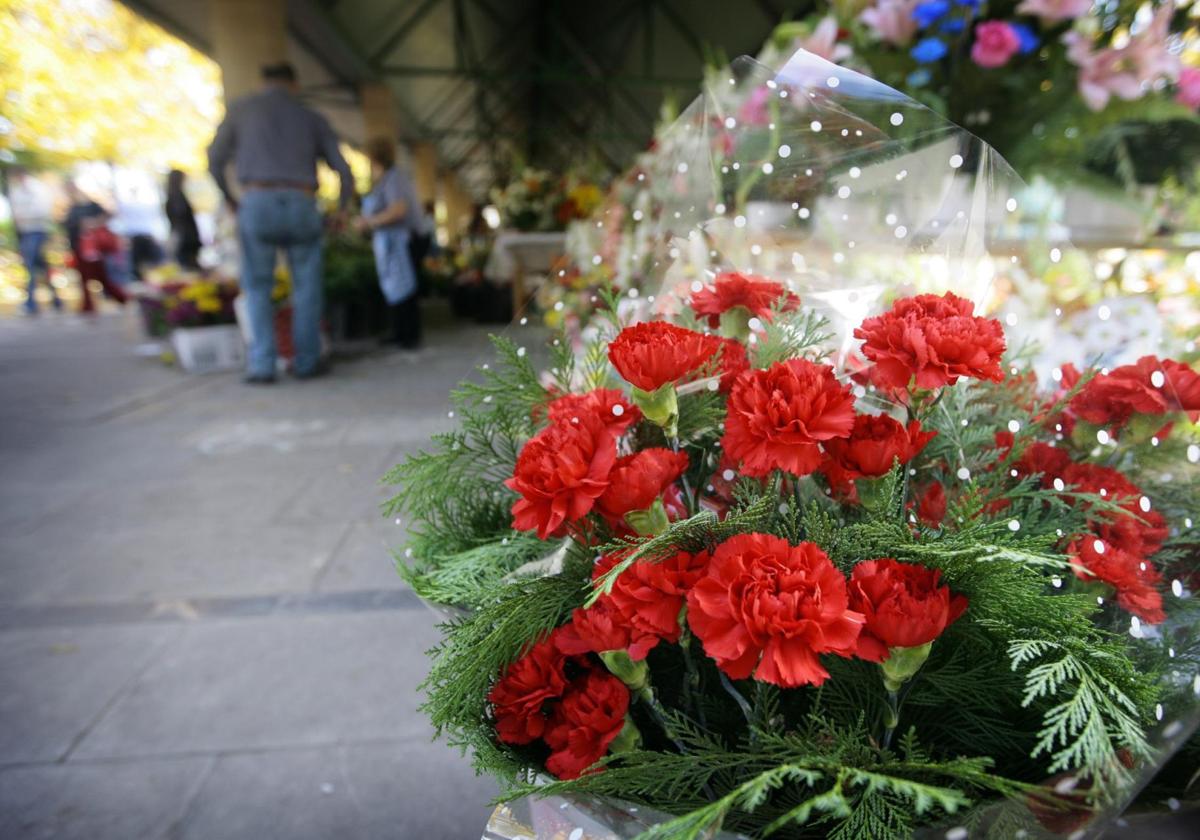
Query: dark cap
(280, 71)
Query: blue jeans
(32, 245)
(269, 220)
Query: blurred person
(92, 246)
(392, 214)
(274, 142)
(137, 220)
(184, 232)
(30, 203)
(422, 242)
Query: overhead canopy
(554, 82)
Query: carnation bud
(735, 323)
(660, 407)
(651, 521)
(902, 665)
(635, 675)
(629, 740)
(874, 493)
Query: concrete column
(381, 117)
(425, 174)
(246, 35)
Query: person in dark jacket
(183, 222)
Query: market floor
(202, 634)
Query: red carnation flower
(777, 417)
(1112, 399)
(655, 353)
(1134, 578)
(1045, 458)
(589, 718)
(1149, 386)
(519, 697)
(757, 295)
(560, 473)
(602, 627)
(608, 404)
(903, 605)
(641, 610)
(650, 595)
(637, 480)
(931, 505)
(767, 608)
(1141, 531)
(934, 340)
(733, 362)
(1183, 386)
(873, 446)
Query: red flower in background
(903, 605)
(1134, 578)
(560, 473)
(767, 608)
(777, 417)
(1049, 460)
(590, 716)
(931, 505)
(757, 295)
(1141, 531)
(638, 479)
(1182, 387)
(933, 339)
(655, 353)
(520, 696)
(733, 362)
(874, 444)
(1149, 386)
(609, 404)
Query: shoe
(320, 370)
(259, 379)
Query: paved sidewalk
(201, 633)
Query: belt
(279, 185)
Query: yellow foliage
(90, 80)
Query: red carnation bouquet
(815, 541)
(728, 592)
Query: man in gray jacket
(274, 142)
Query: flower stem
(891, 718)
(747, 712)
(691, 680)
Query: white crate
(208, 349)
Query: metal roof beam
(401, 32)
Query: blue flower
(930, 12)
(928, 50)
(970, 4)
(919, 78)
(952, 26)
(1029, 39)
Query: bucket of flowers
(204, 333)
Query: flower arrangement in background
(199, 303)
(705, 569)
(539, 201)
(1045, 82)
